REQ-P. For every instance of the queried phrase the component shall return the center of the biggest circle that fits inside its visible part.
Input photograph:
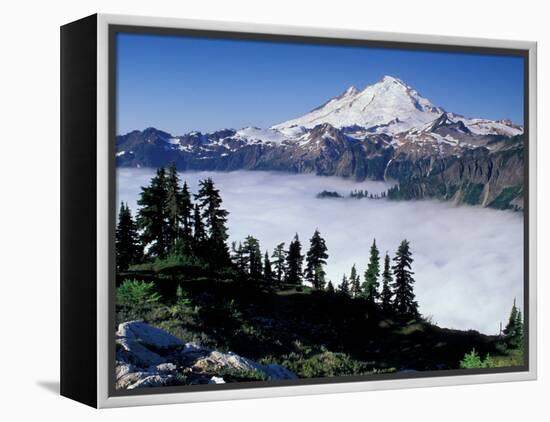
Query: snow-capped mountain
(448, 136)
(252, 134)
(489, 127)
(386, 131)
(388, 106)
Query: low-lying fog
(468, 261)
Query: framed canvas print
(254, 211)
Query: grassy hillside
(313, 333)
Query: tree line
(355, 194)
(391, 288)
(363, 193)
(283, 265)
(173, 221)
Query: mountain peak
(352, 90)
(387, 79)
(446, 122)
(443, 120)
(388, 106)
(154, 132)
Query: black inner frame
(266, 37)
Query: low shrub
(137, 297)
(472, 360)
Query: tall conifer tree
(239, 257)
(186, 211)
(279, 260)
(316, 258)
(404, 302)
(215, 218)
(268, 271)
(355, 282)
(173, 205)
(128, 249)
(344, 286)
(184, 244)
(371, 284)
(199, 235)
(386, 295)
(152, 216)
(319, 275)
(252, 251)
(294, 262)
(519, 324)
(513, 332)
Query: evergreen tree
(186, 210)
(319, 277)
(243, 260)
(253, 255)
(519, 325)
(330, 287)
(294, 262)
(128, 249)
(344, 286)
(238, 257)
(513, 332)
(387, 280)
(370, 286)
(184, 243)
(152, 217)
(268, 271)
(234, 252)
(355, 282)
(316, 258)
(199, 235)
(279, 259)
(173, 205)
(404, 302)
(215, 217)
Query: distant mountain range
(387, 131)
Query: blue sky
(180, 84)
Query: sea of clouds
(468, 261)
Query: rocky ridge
(387, 131)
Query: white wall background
(29, 207)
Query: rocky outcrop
(476, 177)
(148, 357)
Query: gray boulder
(148, 335)
(148, 357)
(222, 361)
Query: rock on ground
(149, 357)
